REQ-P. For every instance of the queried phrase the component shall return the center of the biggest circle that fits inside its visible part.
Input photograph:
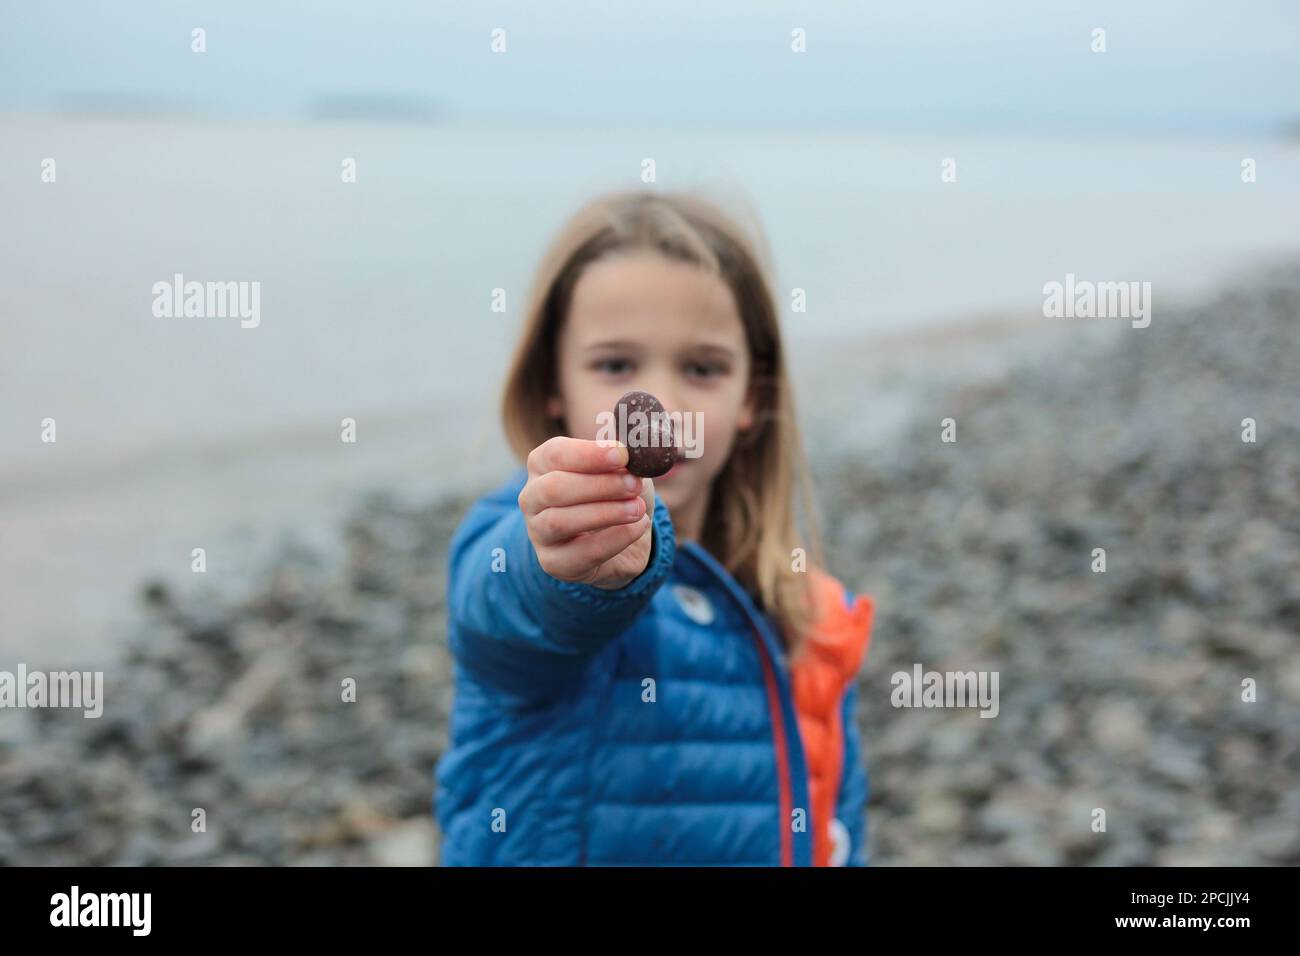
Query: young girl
(647, 671)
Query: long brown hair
(751, 525)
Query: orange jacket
(820, 673)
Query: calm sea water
(375, 304)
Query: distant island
(384, 108)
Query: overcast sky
(1171, 65)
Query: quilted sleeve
(516, 627)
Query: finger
(560, 489)
(555, 525)
(562, 453)
(648, 495)
(580, 556)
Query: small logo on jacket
(696, 605)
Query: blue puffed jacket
(656, 724)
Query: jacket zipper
(782, 754)
(781, 741)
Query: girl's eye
(700, 370)
(613, 366)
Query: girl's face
(641, 320)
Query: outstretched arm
(521, 628)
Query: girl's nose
(668, 399)
(663, 391)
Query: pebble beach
(1120, 690)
